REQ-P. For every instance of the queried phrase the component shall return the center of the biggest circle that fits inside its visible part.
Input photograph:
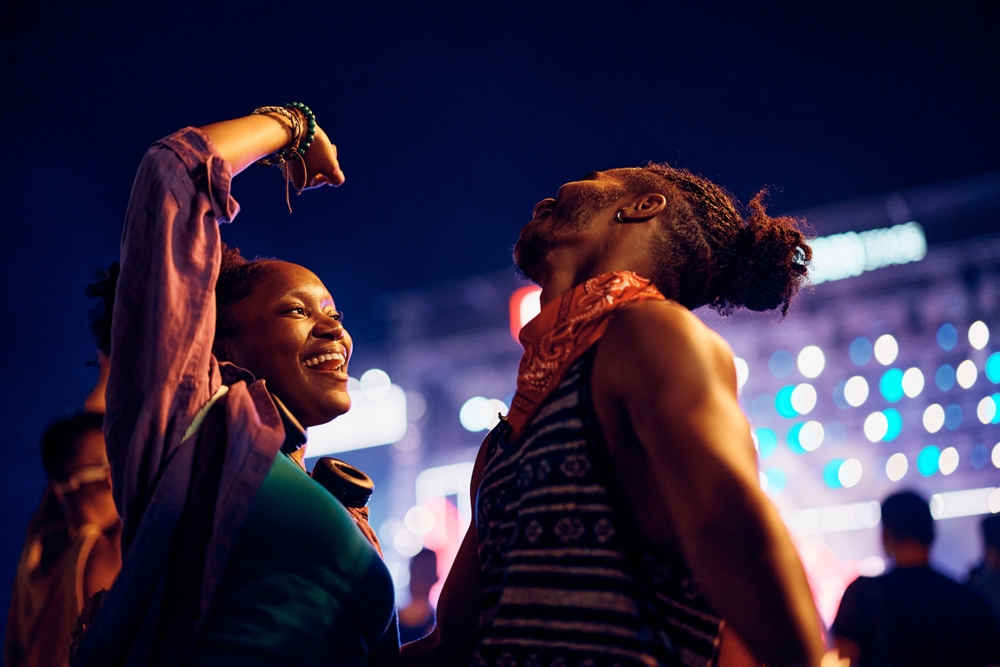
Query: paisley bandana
(565, 329)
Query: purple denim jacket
(162, 373)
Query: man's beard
(531, 251)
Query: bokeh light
(783, 402)
(891, 385)
(948, 461)
(803, 398)
(781, 364)
(947, 336)
(831, 473)
(979, 456)
(894, 424)
(886, 349)
(876, 426)
(792, 439)
(811, 436)
(811, 361)
(987, 409)
(933, 418)
(993, 368)
(995, 456)
(742, 371)
(419, 520)
(856, 391)
(896, 467)
(927, 460)
(913, 382)
(767, 442)
(480, 413)
(966, 374)
(375, 384)
(860, 351)
(849, 473)
(776, 480)
(993, 502)
(944, 377)
(979, 335)
(953, 416)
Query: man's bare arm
(667, 379)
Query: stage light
(831, 473)
(811, 436)
(979, 335)
(891, 385)
(480, 413)
(849, 473)
(967, 502)
(776, 480)
(987, 410)
(953, 416)
(948, 462)
(783, 402)
(781, 364)
(792, 438)
(419, 520)
(525, 304)
(876, 426)
(860, 351)
(933, 418)
(375, 384)
(767, 442)
(407, 544)
(944, 378)
(913, 382)
(966, 374)
(416, 405)
(839, 398)
(850, 254)
(993, 501)
(803, 398)
(871, 566)
(811, 361)
(369, 423)
(886, 349)
(979, 457)
(947, 336)
(894, 424)
(856, 391)
(742, 372)
(993, 368)
(995, 456)
(927, 460)
(896, 467)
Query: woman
(232, 555)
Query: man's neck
(910, 554)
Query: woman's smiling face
(291, 336)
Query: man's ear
(643, 208)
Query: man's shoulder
(663, 322)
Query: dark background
(453, 119)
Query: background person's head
(991, 541)
(423, 573)
(696, 246)
(907, 528)
(76, 462)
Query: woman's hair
(61, 438)
(237, 278)
(713, 255)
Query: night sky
(452, 119)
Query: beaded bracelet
(288, 151)
(310, 123)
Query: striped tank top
(570, 581)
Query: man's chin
(530, 254)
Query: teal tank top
(302, 587)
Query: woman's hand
(321, 165)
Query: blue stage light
(953, 416)
(993, 368)
(944, 378)
(793, 439)
(781, 364)
(783, 402)
(891, 385)
(927, 460)
(767, 442)
(947, 336)
(895, 421)
(776, 480)
(831, 473)
(979, 456)
(860, 351)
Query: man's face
(291, 336)
(573, 212)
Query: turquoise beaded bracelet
(310, 126)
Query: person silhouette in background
(913, 615)
(72, 549)
(416, 620)
(985, 579)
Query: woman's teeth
(315, 361)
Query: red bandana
(565, 329)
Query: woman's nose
(328, 327)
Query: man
(619, 518)
(913, 615)
(985, 579)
